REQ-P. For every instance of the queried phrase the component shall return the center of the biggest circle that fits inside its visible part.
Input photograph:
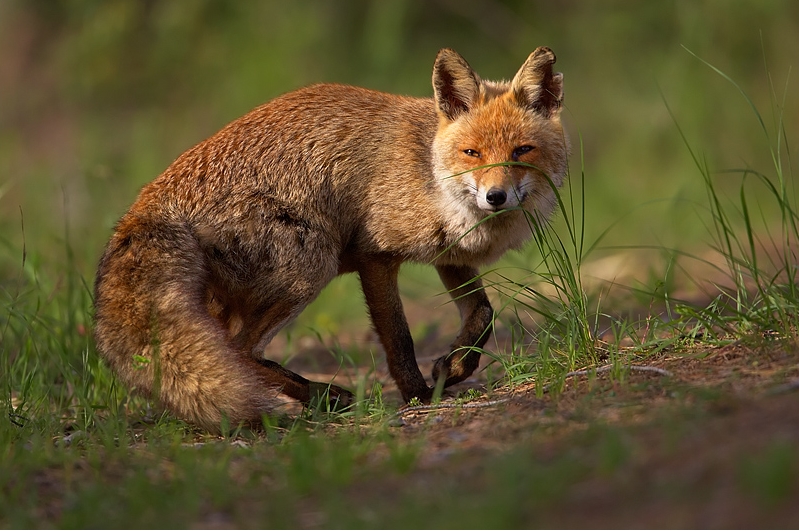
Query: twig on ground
(607, 368)
(490, 403)
(452, 405)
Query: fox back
(243, 230)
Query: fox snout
(495, 196)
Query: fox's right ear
(455, 85)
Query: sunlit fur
(245, 229)
(496, 124)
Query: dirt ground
(729, 406)
(712, 443)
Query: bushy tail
(152, 327)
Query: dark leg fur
(476, 317)
(299, 388)
(379, 283)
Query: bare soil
(715, 444)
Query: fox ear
(536, 86)
(455, 84)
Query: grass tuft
(759, 296)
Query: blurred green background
(97, 97)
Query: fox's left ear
(536, 86)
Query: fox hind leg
(278, 298)
(306, 391)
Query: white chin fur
(458, 191)
(464, 208)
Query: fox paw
(455, 369)
(337, 398)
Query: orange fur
(243, 230)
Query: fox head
(499, 145)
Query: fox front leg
(379, 284)
(466, 289)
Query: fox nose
(496, 197)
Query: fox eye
(472, 153)
(521, 150)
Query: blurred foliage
(98, 96)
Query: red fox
(243, 230)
